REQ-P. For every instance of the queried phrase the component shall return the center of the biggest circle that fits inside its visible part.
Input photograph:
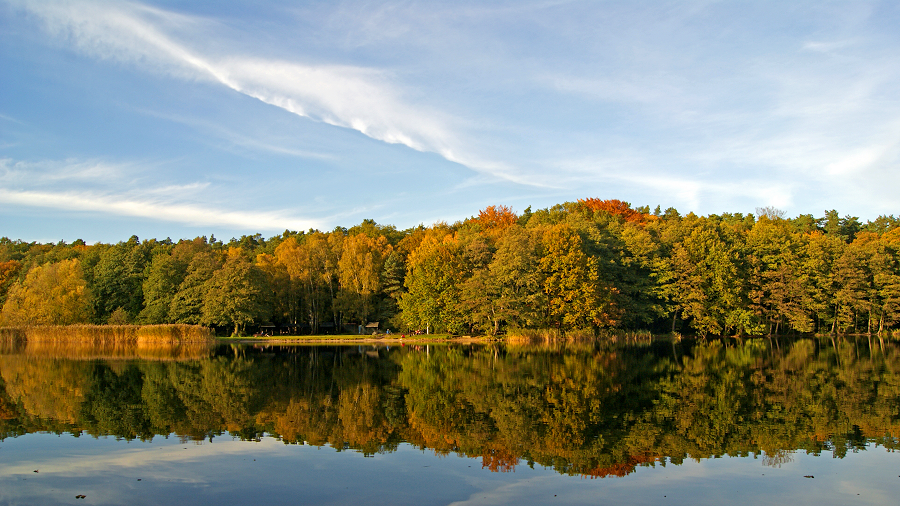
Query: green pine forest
(575, 268)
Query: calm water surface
(760, 422)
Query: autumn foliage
(496, 217)
(8, 271)
(621, 469)
(498, 459)
(577, 267)
(614, 207)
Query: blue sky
(179, 119)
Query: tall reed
(537, 336)
(166, 342)
(103, 333)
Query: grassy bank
(360, 338)
(523, 337)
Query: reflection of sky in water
(269, 472)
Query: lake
(805, 421)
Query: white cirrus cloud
(346, 96)
(359, 98)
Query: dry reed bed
(152, 342)
(550, 336)
(103, 333)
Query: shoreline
(359, 340)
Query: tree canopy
(575, 267)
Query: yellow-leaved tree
(51, 294)
(311, 266)
(359, 267)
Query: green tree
(817, 271)
(630, 266)
(392, 276)
(235, 294)
(844, 228)
(117, 279)
(164, 275)
(777, 293)
(515, 280)
(575, 296)
(187, 303)
(868, 279)
(709, 280)
(285, 296)
(885, 264)
(853, 279)
(432, 283)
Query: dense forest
(582, 409)
(576, 267)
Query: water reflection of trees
(581, 410)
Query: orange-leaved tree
(496, 217)
(614, 207)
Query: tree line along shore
(573, 269)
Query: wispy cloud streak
(158, 209)
(122, 190)
(359, 98)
